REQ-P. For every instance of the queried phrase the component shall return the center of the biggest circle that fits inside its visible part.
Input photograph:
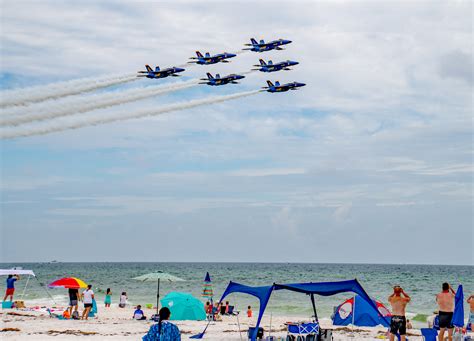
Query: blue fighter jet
(218, 80)
(149, 73)
(282, 88)
(262, 46)
(208, 59)
(270, 67)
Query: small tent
(358, 312)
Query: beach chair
(429, 334)
(232, 311)
(53, 315)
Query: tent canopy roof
(6, 272)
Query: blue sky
(370, 162)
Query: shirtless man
(398, 300)
(445, 300)
(470, 300)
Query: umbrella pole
(157, 296)
(314, 308)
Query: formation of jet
(207, 59)
(270, 67)
(149, 73)
(277, 87)
(262, 46)
(218, 80)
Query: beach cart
(302, 330)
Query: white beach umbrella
(157, 277)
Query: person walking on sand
(88, 297)
(163, 330)
(398, 325)
(445, 300)
(470, 321)
(74, 298)
(10, 287)
(108, 298)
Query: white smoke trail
(60, 89)
(76, 105)
(84, 121)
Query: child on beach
(249, 311)
(138, 314)
(123, 300)
(108, 298)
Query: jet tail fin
(262, 62)
(148, 68)
(270, 84)
(199, 54)
(254, 42)
(209, 76)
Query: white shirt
(123, 299)
(88, 296)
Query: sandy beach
(116, 324)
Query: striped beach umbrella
(68, 283)
(207, 289)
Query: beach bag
(75, 315)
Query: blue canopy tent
(263, 293)
(358, 312)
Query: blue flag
(458, 316)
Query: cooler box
(7, 305)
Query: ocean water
(421, 282)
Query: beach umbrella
(207, 289)
(458, 316)
(68, 283)
(158, 277)
(184, 306)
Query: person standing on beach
(445, 300)
(10, 287)
(88, 296)
(108, 298)
(73, 299)
(398, 300)
(470, 322)
(163, 330)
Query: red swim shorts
(10, 291)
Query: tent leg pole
(26, 285)
(47, 292)
(238, 324)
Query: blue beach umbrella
(458, 316)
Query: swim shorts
(398, 325)
(87, 305)
(10, 291)
(72, 303)
(445, 319)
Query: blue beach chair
(429, 334)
